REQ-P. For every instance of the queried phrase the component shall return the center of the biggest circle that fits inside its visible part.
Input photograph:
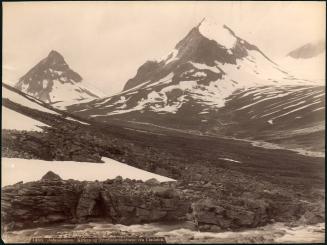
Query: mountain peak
(54, 58)
(52, 80)
(55, 54)
(209, 43)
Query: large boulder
(50, 176)
(152, 182)
(210, 214)
(163, 191)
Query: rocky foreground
(123, 201)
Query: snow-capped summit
(217, 32)
(53, 81)
(220, 49)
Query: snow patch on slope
(256, 70)
(75, 120)
(311, 69)
(14, 120)
(17, 169)
(218, 33)
(166, 79)
(205, 67)
(230, 160)
(173, 57)
(68, 92)
(19, 99)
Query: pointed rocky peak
(50, 176)
(55, 57)
(55, 54)
(52, 80)
(52, 67)
(54, 61)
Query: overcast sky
(106, 42)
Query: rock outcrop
(120, 201)
(209, 206)
(210, 215)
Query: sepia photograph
(163, 122)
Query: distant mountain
(215, 82)
(308, 50)
(307, 62)
(53, 81)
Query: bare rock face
(124, 201)
(137, 202)
(39, 202)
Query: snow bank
(19, 99)
(75, 120)
(16, 169)
(14, 120)
(230, 160)
(205, 67)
